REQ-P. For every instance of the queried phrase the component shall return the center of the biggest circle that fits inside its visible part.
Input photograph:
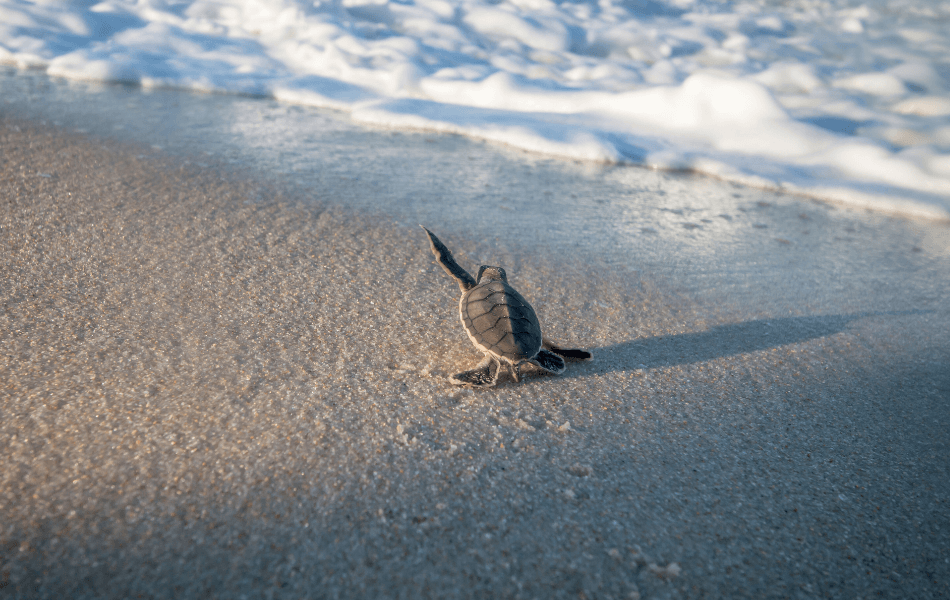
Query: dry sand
(211, 387)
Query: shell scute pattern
(501, 320)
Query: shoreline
(208, 368)
(287, 139)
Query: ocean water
(833, 99)
(719, 242)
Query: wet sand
(214, 387)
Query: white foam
(825, 99)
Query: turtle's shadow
(723, 341)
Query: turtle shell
(500, 321)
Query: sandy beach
(216, 386)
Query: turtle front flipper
(549, 361)
(574, 353)
(484, 375)
(444, 258)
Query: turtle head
(491, 274)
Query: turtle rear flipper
(484, 375)
(549, 361)
(574, 353)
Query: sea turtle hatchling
(500, 323)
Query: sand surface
(212, 386)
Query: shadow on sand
(727, 340)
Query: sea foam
(817, 98)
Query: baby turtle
(500, 323)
